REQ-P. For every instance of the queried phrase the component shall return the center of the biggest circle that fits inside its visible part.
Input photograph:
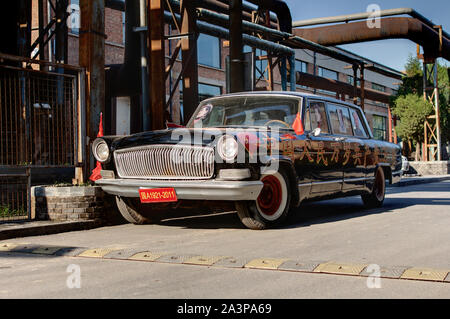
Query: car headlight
(100, 150)
(227, 147)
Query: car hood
(190, 136)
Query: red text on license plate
(158, 195)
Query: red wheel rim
(269, 199)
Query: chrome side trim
(358, 179)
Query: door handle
(339, 139)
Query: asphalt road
(410, 230)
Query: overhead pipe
(214, 5)
(398, 27)
(249, 8)
(276, 35)
(281, 9)
(221, 32)
(256, 42)
(366, 15)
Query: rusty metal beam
(318, 82)
(92, 58)
(189, 58)
(391, 28)
(157, 63)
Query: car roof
(291, 93)
(299, 94)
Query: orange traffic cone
(96, 171)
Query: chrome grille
(165, 162)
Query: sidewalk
(414, 180)
(15, 229)
(26, 228)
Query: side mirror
(315, 132)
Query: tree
(411, 108)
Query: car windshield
(247, 111)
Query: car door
(356, 150)
(370, 148)
(327, 173)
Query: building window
(378, 87)
(261, 65)
(301, 66)
(329, 74)
(206, 91)
(208, 51)
(74, 18)
(350, 80)
(379, 127)
(123, 27)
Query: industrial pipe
(366, 15)
(390, 28)
(247, 39)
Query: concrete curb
(408, 181)
(38, 229)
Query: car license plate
(158, 195)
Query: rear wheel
(272, 205)
(132, 211)
(376, 197)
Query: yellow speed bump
(265, 263)
(47, 250)
(145, 256)
(203, 260)
(425, 274)
(7, 246)
(340, 268)
(96, 252)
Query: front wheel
(272, 205)
(133, 211)
(376, 197)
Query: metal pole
(436, 108)
(144, 70)
(236, 47)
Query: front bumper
(212, 189)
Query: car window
(340, 119)
(318, 116)
(247, 111)
(358, 127)
(307, 121)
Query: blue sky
(392, 53)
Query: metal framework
(432, 136)
(434, 40)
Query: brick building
(212, 55)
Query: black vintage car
(266, 152)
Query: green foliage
(7, 212)
(409, 105)
(413, 66)
(413, 110)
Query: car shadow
(307, 214)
